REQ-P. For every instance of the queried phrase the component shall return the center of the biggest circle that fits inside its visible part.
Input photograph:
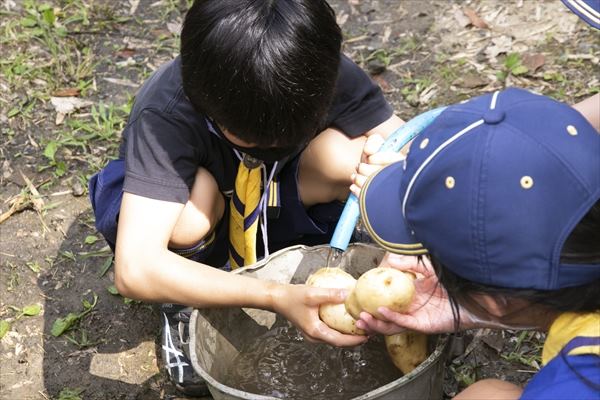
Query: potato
(382, 287)
(352, 305)
(407, 350)
(335, 315)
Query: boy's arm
(146, 270)
(590, 109)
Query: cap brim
(587, 10)
(381, 212)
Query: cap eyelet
(572, 130)
(526, 182)
(450, 182)
(424, 143)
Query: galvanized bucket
(217, 334)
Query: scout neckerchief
(569, 326)
(247, 206)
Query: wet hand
(300, 305)
(372, 161)
(430, 311)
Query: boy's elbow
(129, 278)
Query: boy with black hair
(242, 145)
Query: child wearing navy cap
(500, 197)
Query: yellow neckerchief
(244, 216)
(568, 326)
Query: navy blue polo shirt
(166, 140)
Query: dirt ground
(69, 71)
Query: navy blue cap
(587, 10)
(492, 188)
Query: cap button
(493, 117)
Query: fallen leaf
(4, 328)
(475, 19)
(67, 92)
(470, 81)
(383, 84)
(533, 61)
(462, 20)
(66, 105)
(125, 52)
(499, 45)
(32, 310)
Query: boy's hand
(430, 311)
(300, 305)
(372, 161)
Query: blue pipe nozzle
(398, 139)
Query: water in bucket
(282, 364)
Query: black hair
(581, 247)
(265, 70)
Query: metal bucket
(217, 334)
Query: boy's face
(268, 155)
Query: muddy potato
(407, 350)
(383, 287)
(335, 315)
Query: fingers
(317, 296)
(371, 324)
(385, 158)
(322, 333)
(373, 144)
(402, 321)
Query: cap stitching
(429, 158)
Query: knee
(202, 212)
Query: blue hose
(398, 139)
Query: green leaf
(91, 239)
(28, 22)
(60, 168)
(61, 325)
(112, 290)
(89, 306)
(520, 70)
(512, 60)
(36, 31)
(44, 7)
(61, 31)
(106, 265)
(32, 310)
(50, 150)
(48, 16)
(13, 111)
(70, 394)
(4, 328)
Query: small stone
(77, 189)
(376, 67)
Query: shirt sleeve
(162, 157)
(358, 104)
(566, 377)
